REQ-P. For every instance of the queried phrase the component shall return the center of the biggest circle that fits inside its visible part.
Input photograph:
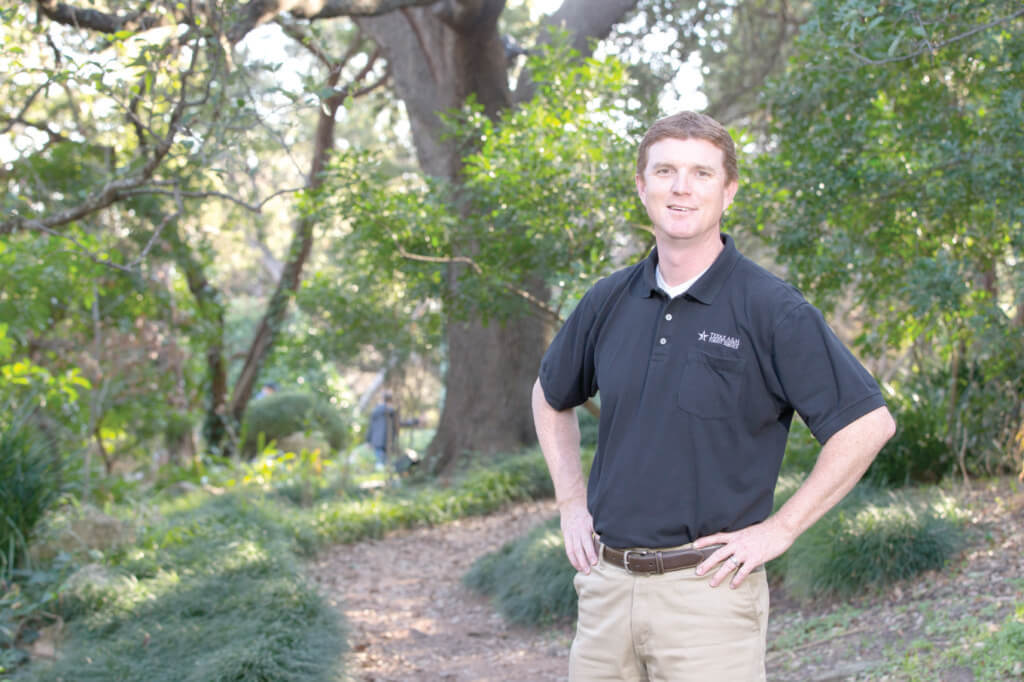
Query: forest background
(344, 197)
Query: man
(701, 358)
(383, 432)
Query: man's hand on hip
(578, 531)
(742, 551)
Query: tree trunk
(211, 310)
(438, 57)
(298, 253)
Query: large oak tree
(439, 54)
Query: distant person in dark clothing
(383, 432)
(269, 388)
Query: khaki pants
(673, 627)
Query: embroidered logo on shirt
(720, 339)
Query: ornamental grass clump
(529, 579)
(29, 486)
(210, 591)
(872, 539)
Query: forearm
(558, 432)
(842, 462)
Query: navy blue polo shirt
(697, 395)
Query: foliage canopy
(892, 176)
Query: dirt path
(411, 618)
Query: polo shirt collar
(704, 289)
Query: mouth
(680, 209)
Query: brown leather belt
(653, 561)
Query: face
(684, 190)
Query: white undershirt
(679, 289)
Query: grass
(871, 540)
(802, 631)
(211, 587)
(479, 491)
(212, 592)
(528, 578)
(991, 648)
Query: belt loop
(660, 563)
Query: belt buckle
(625, 559)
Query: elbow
(887, 426)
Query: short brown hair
(684, 126)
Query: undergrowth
(211, 589)
(872, 539)
(528, 578)
(211, 592)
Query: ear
(641, 188)
(730, 193)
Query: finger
(707, 541)
(728, 567)
(722, 553)
(578, 556)
(590, 547)
(740, 576)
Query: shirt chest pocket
(711, 386)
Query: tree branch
(588, 21)
(547, 311)
(116, 188)
(95, 20)
(258, 12)
(205, 194)
(253, 14)
(20, 116)
(929, 47)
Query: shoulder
(767, 291)
(612, 285)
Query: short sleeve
(567, 371)
(821, 378)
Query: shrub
(530, 579)
(801, 449)
(871, 539)
(29, 485)
(589, 426)
(281, 414)
(918, 452)
(972, 423)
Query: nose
(681, 184)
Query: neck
(679, 262)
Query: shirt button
(663, 340)
(668, 316)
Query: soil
(410, 617)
